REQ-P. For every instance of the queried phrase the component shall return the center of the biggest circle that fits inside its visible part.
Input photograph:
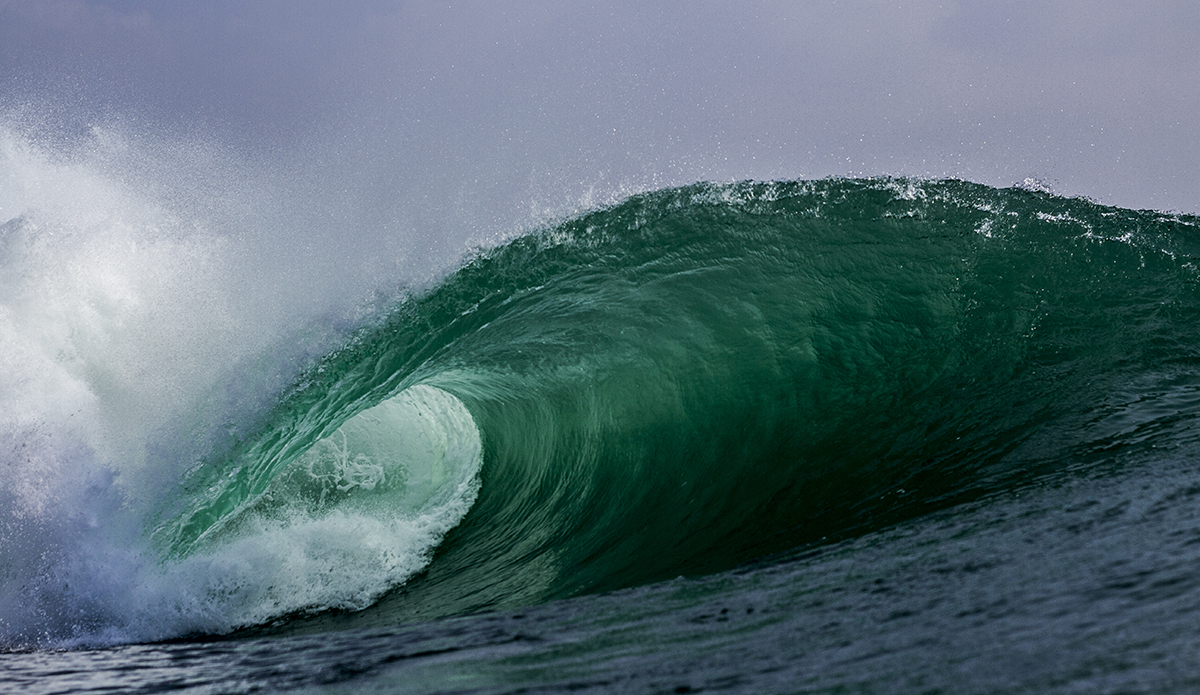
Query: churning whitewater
(678, 384)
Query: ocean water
(877, 435)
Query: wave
(702, 376)
(681, 383)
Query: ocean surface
(835, 436)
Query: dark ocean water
(835, 436)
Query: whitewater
(842, 435)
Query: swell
(703, 376)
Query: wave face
(703, 376)
(687, 381)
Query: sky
(463, 119)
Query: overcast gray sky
(436, 114)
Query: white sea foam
(353, 517)
(140, 323)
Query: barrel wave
(702, 377)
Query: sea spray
(143, 329)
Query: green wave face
(703, 376)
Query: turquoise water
(722, 416)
